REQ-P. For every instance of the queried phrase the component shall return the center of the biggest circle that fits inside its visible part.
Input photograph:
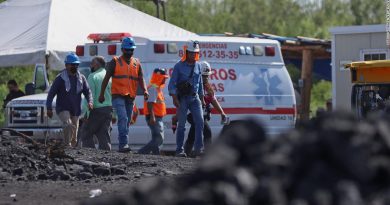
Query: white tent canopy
(33, 29)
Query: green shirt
(95, 83)
(95, 80)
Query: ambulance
(249, 78)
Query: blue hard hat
(128, 43)
(72, 58)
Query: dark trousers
(191, 135)
(98, 124)
(155, 143)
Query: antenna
(388, 23)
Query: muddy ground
(56, 185)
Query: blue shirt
(68, 101)
(181, 72)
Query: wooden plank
(306, 76)
(301, 48)
(298, 55)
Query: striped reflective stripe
(125, 76)
(243, 110)
(133, 78)
(159, 101)
(120, 76)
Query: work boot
(124, 149)
(181, 154)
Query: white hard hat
(193, 46)
(206, 68)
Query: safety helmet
(128, 43)
(193, 46)
(72, 58)
(159, 74)
(161, 71)
(206, 68)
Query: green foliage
(22, 75)
(320, 93)
(295, 73)
(280, 17)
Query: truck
(371, 86)
(249, 78)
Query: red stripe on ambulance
(243, 110)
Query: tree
(368, 12)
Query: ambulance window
(93, 50)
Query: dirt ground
(334, 159)
(72, 190)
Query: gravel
(332, 159)
(40, 174)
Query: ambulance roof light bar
(96, 37)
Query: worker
(99, 119)
(155, 110)
(186, 89)
(127, 75)
(209, 99)
(68, 86)
(14, 92)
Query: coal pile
(33, 161)
(333, 159)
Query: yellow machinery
(371, 86)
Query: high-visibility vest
(159, 107)
(125, 78)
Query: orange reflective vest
(159, 107)
(125, 78)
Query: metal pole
(157, 2)
(388, 23)
(163, 8)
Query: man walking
(14, 92)
(68, 86)
(210, 99)
(186, 89)
(155, 110)
(127, 74)
(99, 119)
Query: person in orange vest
(127, 75)
(155, 110)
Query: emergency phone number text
(216, 54)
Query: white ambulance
(248, 76)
